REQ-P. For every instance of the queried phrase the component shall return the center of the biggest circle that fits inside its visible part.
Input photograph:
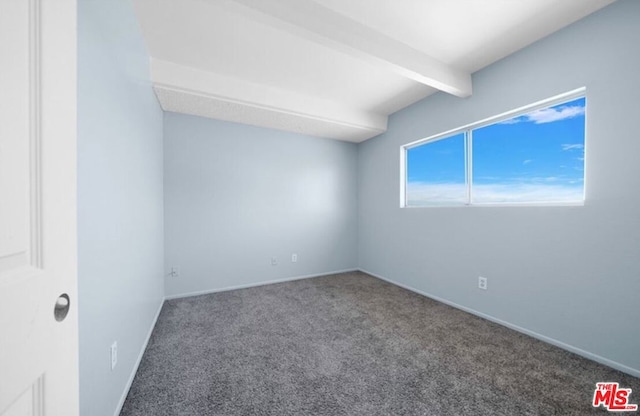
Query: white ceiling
(332, 68)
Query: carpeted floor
(351, 344)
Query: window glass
(436, 173)
(536, 157)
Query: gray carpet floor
(351, 344)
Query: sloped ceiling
(332, 68)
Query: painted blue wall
(237, 195)
(120, 192)
(571, 274)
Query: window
(436, 172)
(533, 155)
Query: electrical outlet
(114, 354)
(294, 258)
(274, 261)
(482, 283)
(175, 271)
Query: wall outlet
(114, 354)
(294, 258)
(175, 271)
(482, 283)
(274, 261)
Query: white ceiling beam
(320, 24)
(194, 91)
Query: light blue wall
(119, 200)
(568, 273)
(237, 195)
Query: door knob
(61, 309)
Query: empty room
(319, 207)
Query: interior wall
(570, 274)
(238, 195)
(120, 192)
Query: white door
(38, 343)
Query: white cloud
(526, 162)
(548, 115)
(568, 146)
(527, 193)
(420, 194)
(423, 194)
(513, 120)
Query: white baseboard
(245, 286)
(597, 358)
(134, 370)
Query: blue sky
(536, 157)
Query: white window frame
(468, 147)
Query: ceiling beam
(322, 25)
(189, 90)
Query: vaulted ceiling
(332, 68)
